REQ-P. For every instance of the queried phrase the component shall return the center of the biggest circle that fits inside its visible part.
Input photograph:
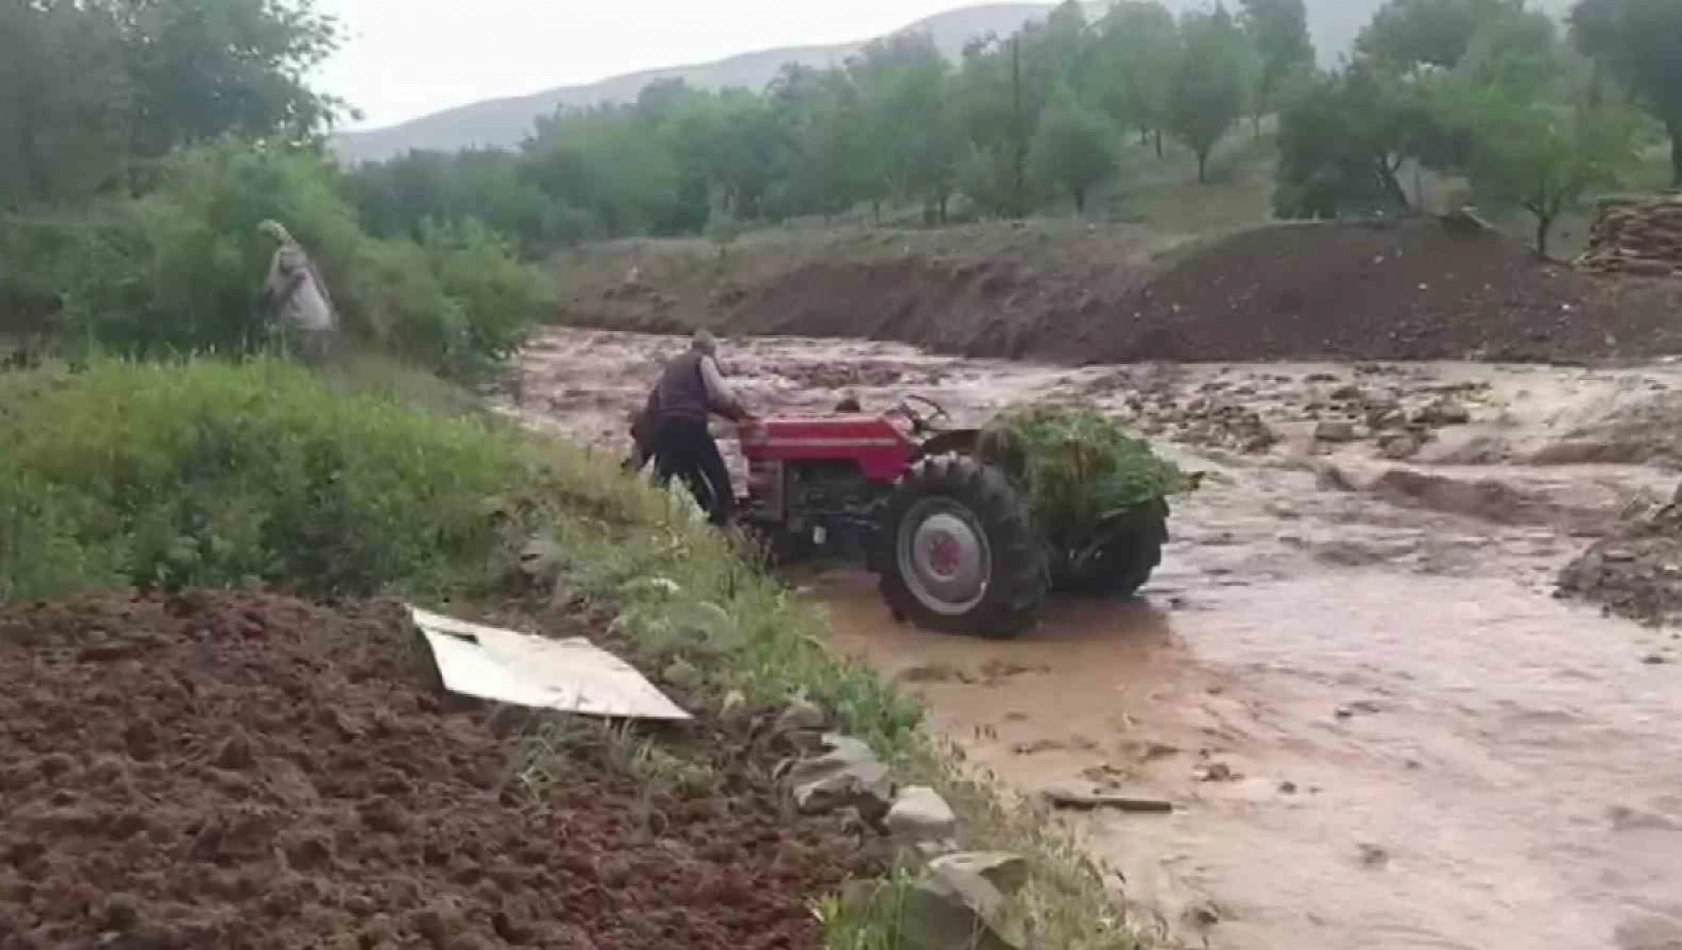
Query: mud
(231, 770)
(1407, 290)
(1377, 725)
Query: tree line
(1533, 118)
(94, 93)
(97, 95)
(1536, 115)
(1017, 123)
(141, 143)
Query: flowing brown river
(1377, 726)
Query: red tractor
(950, 536)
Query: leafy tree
(746, 153)
(822, 122)
(89, 86)
(1278, 32)
(63, 100)
(1546, 157)
(1343, 141)
(911, 137)
(601, 161)
(1074, 148)
(1409, 34)
(200, 68)
(1137, 54)
(1517, 50)
(986, 177)
(1207, 95)
(1640, 43)
(996, 115)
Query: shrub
(214, 474)
(180, 268)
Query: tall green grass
(210, 474)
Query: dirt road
(1377, 726)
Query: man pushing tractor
(967, 529)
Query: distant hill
(503, 123)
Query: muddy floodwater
(1377, 726)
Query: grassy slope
(210, 474)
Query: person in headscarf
(691, 390)
(299, 296)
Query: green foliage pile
(179, 269)
(1076, 465)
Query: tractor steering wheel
(918, 422)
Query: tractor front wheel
(958, 551)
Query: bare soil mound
(985, 308)
(1635, 573)
(1419, 289)
(249, 771)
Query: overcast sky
(405, 58)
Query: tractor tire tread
(1017, 590)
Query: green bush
(214, 474)
(180, 269)
(1077, 466)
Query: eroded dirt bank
(1420, 289)
(1378, 727)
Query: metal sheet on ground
(572, 675)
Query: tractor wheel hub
(944, 556)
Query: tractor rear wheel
(1121, 567)
(958, 551)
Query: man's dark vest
(681, 392)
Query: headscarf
(277, 231)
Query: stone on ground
(920, 818)
(846, 776)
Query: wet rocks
(1373, 856)
(958, 904)
(1336, 431)
(1204, 421)
(1635, 573)
(921, 819)
(1401, 446)
(1215, 772)
(1088, 799)
(1442, 412)
(846, 775)
(1005, 871)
